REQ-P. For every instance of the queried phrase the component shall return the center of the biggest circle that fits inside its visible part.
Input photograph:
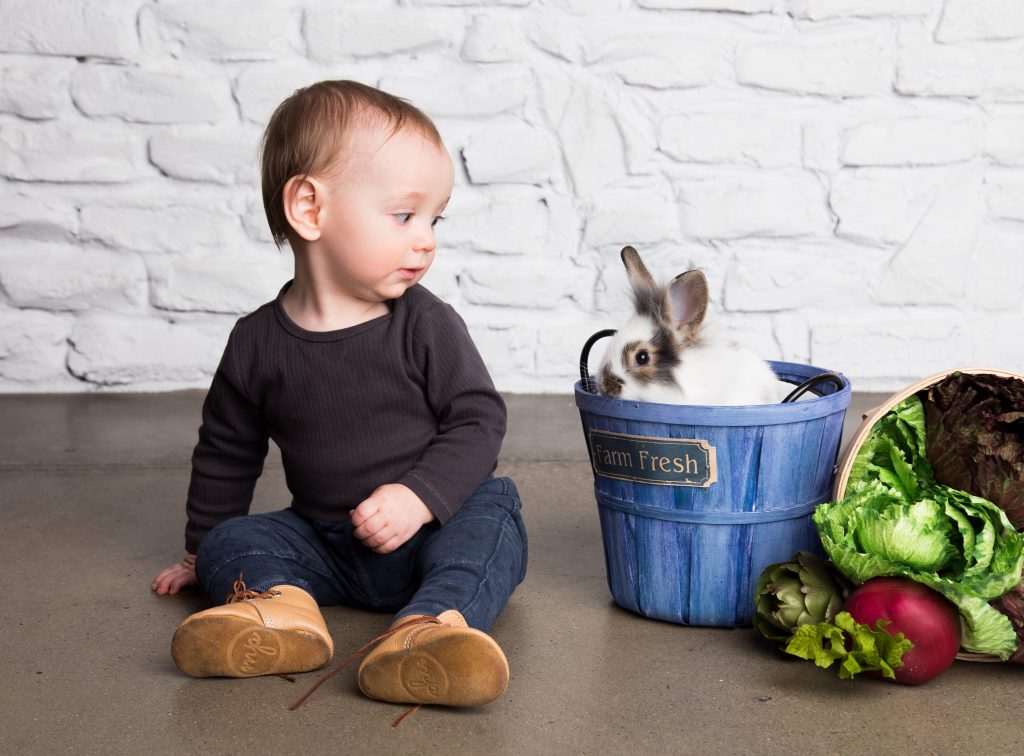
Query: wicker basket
(849, 454)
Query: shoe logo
(253, 653)
(423, 676)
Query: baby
(388, 423)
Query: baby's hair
(308, 130)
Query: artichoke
(804, 590)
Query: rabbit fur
(663, 354)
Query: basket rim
(971, 656)
(741, 415)
(873, 415)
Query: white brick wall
(849, 173)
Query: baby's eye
(403, 217)
(436, 220)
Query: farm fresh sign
(661, 461)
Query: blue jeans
(472, 563)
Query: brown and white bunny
(662, 355)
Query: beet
(924, 617)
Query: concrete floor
(91, 491)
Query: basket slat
(769, 458)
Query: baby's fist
(389, 517)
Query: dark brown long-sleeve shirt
(404, 398)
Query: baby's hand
(179, 575)
(389, 517)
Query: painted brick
(113, 350)
(776, 276)
(1004, 192)
(1003, 135)
(982, 341)
(233, 30)
(791, 333)
(71, 277)
(491, 38)
(217, 283)
(558, 349)
(537, 282)
(732, 206)
(507, 221)
(972, 70)
(71, 152)
(94, 28)
(508, 347)
(254, 221)
(729, 138)
(443, 277)
(592, 143)
(459, 3)
(498, 88)
(636, 211)
(33, 348)
(822, 134)
(152, 228)
(335, 33)
(223, 155)
(35, 88)
(889, 349)
(996, 277)
(511, 151)
(652, 56)
(737, 6)
(980, 19)
(913, 140)
(820, 10)
(589, 6)
(931, 268)
(260, 87)
(152, 96)
(38, 215)
(840, 62)
(882, 205)
(852, 165)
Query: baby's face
(377, 223)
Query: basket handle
(585, 356)
(792, 396)
(813, 381)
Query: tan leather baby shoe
(273, 632)
(428, 660)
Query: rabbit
(662, 355)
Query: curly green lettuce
(896, 520)
(857, 647)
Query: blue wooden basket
(696, 501)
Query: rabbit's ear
(639, 276)
(688, 300)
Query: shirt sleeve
(228, 459)
(470, 412)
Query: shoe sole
(457, 670)
(220, 646)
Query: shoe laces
(424, 620)
(240, 593)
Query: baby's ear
(301, 197)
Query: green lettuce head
(895, 520)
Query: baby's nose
(425, 241)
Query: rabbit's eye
(642, 357)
